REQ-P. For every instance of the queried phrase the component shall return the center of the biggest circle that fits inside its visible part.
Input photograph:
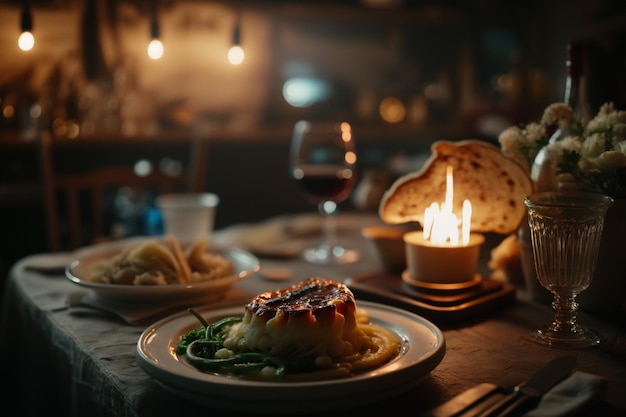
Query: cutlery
(464, 401)
(527, 395)
(490, 400)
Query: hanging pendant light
(26, 41)
(236, 53)
(155, 47)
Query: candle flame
(441, 225)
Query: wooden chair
(76, 202)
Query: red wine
(325, 182)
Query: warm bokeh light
(346, 131)
(155, 49)
(73, 129)
(68, 128)
(236, 55)
(8, 111)
(392, 110)
(346, 136)
(26, 41)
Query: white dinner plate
(423, 348)
(194, 293)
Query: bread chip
(184, 272)
(494, 183)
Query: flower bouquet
(589, 156)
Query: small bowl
(387, 245)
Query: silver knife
(487, 399)
(528, 394)
(473, 400)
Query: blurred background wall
(445, 60)
(404, 72)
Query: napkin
(280, 236)
(141, 313)
(571, 396)
(275, 229)
(48, 264)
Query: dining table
(62, 357)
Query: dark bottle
(576, 81)
(543, 172)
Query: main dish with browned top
(162, 262)
(309, 331)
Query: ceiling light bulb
(155, 47)
(26, 41)
(236, 53)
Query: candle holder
(442, 265)
(440, 281)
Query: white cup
(188, 216)
(387, 244)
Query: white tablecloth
(80, 361)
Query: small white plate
(423, 348)
(195, 293)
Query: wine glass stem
(566, 311)
(328, 209)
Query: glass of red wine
(322, 162)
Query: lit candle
(445, 251)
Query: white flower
(606, 119)
(610, 160)
(593, 146)
(591, 156)
(619, 133)
(559, 114)
(520, 143)
(555, 150)
(535, 131)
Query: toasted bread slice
(494, 183)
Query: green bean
(200, 351)
(198, 316)
(219, 325)
(240, 362)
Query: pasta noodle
(384, 347)
(157, 262)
